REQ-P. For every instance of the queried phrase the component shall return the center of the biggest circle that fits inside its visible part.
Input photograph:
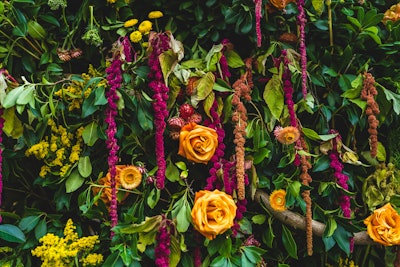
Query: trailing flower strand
(242, 87)
(159, 44)
(114, 78)
(301, 21)
(258, 4)
(368, 93)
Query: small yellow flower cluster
(74, 92)
(346, 263)
(62, 251)
(144, 27)
(60, 153)
(40, 150)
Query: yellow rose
(280, 4)
(197, 143)
(213, 212)
(383, 226)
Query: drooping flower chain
(306, 179)
(242, 87)
(162, 250)
(219, 152)
(341, 179)
(301, 21)
(159, 44)
(1, 157)
(114, 78)
(258, 4)
(368, 93)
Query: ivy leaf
(288, 242)
(11, 233)
(273, 96)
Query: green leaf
(40, 229)
(181, 211)
(268, 235)
(148, 225)
(74, 181)
(208, 102)
(204, 87)
(12, 126)
(28, 223)
(221, 86)
(175, 255)
(259, 218)
(342, 238)
(289, 242)
(88, 105)
(168, 60)
(171, 172)
(36, 31)
(233, 59)
(153, 197)
(12, 96)
(330, 228)
(11, 233)
(90, 134)
(391, 96)
(84, 166)
(100, 98)
(310, 133)
(26, 96)
(273, 96)
(318, 6)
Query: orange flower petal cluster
(383, 225)
(130, 177)
(197, 143)
(277, 200)
(127, 176)
(281, 4)
(213, 212)
(393, 13)
(287, 135)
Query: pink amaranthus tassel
(114, 78)
(258, 4)
(301, 21)
(159, 43)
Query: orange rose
(281, 4)
(197, 143)
(383, 225)
(213, 212)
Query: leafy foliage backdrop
(200, 133)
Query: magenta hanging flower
(258, 4)
(301, 21)
(159, 44)
(114, 78)
(341, 178)
(1, 157)
(162, 250)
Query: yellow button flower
(135, 36)
(130, 23)
(155, 15)
(145, 26)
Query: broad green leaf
(330, 228)
(233, 59)
(355, 22)
(12, 126)
(171, 172)
(259, 218)
(84, 166)
(74, 181)
(148, 225)
(90, 134)
(40, 229)
(36, 31)
(204, 87)
(175, 255)
(11, 233)
(310, 133)
(208, 102)
(342, 238)
(168, 60)
(289, 242)
(318, 6)
(153, 197)
(273, 96)
(181, 211)
(28, 223)
(394, 97)
(12, 96)
(26, 95)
